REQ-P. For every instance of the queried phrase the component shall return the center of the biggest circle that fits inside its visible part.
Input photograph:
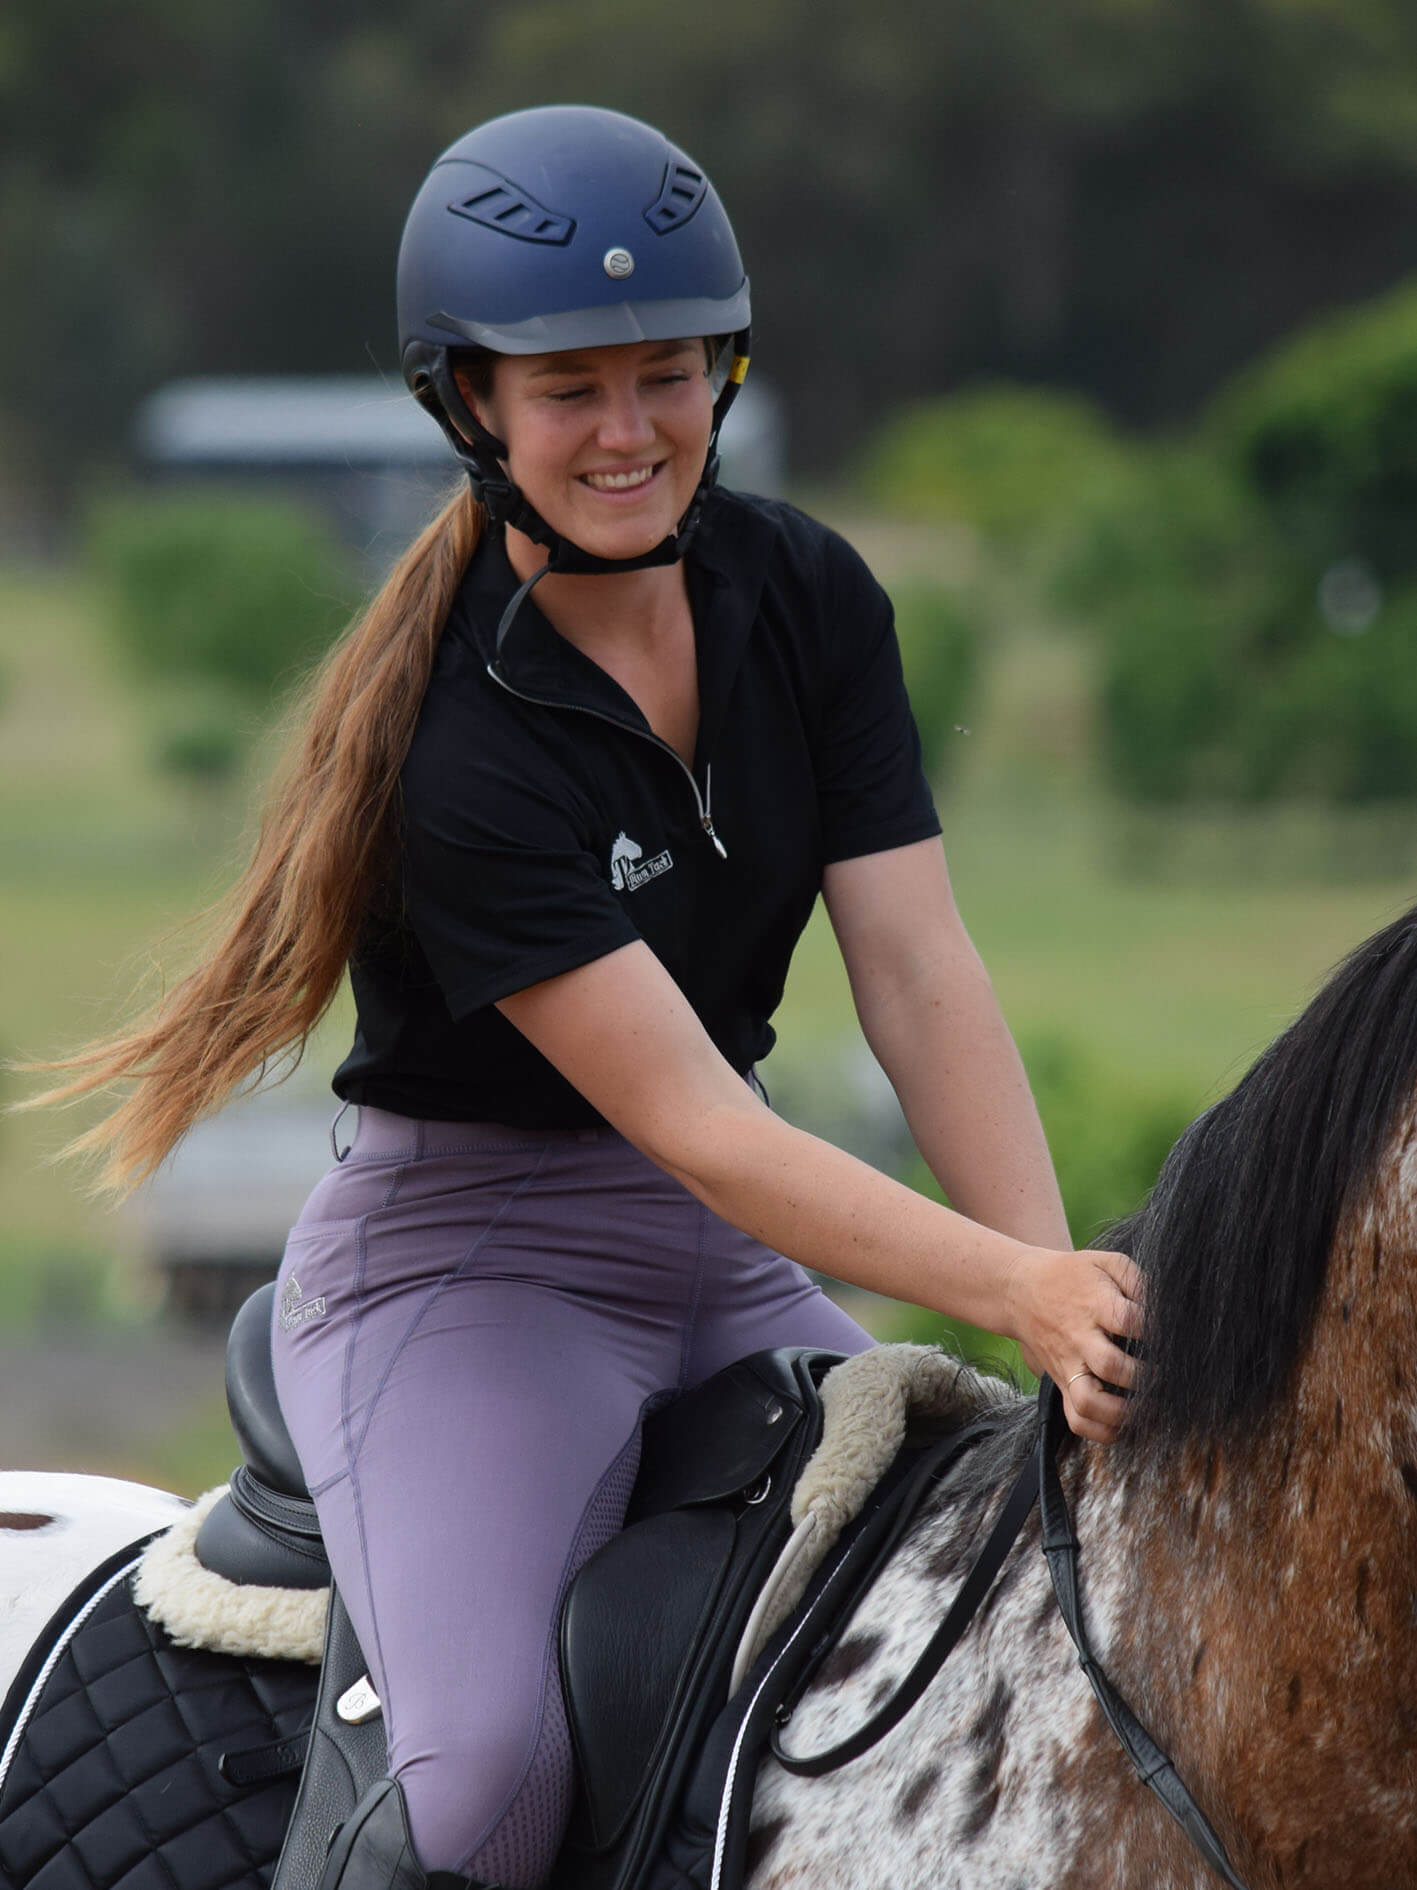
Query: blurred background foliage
(1094, 330)
(218, 602)
(1129, 198)
(1254, 583)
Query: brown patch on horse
(20, 1519)
(943, 1563)
(760, 1841)
(843, 1663)
(987, 1732)
(907, 1806)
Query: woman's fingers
(1084, 1308)
(1092, 1411)
(1109, 1364)
(1126, 1284)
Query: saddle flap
(632, 1622)
(650, 1623)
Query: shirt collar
(726, 567)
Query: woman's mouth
(630, 480)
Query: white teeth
(619, 482)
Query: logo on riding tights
(629, 869)
(295, 1311)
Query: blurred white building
(212, 1221)
(364, 451)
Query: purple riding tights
(469, 1322)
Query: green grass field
(1172, 948)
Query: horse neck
(1265, 1624)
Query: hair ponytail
(325, 848)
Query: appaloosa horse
(1249, 1548)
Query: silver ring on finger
(1084, 1373)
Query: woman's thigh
(466, 1406)
(753, 1298)
(497, 1457)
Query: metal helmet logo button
(617, 264)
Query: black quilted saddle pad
(115, 1777)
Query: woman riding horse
(567, 846)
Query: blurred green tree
(1255, 589)
(1011, 461)
(1127, 199)
(217, 602)
(941, 647)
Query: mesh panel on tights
(521, 1850)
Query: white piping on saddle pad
(866, 1401)
(201, 1609)
(52, 1660)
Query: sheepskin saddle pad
(130, 1761)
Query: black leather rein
(1060, 1546)
(1037, 1481)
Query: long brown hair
(326, 843)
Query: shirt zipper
(702, 801)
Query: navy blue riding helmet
(564, 227)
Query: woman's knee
(490, 1796)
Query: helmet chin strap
(481, 455)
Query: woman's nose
(624, 420)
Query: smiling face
(608, 444)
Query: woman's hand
(1068, 1312)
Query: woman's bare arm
(930, 1015)
(623, 1034)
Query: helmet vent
(680, 195)
(515, 212)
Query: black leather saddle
(264, 1529)
(649, 1627)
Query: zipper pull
(706, 812)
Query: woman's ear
(470, 393)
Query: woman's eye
(564, 394)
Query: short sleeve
(501, 888)
(871, 785)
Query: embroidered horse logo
(295, 1309)
(623, 855)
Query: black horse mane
(1236, 1235)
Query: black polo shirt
(544, 825)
